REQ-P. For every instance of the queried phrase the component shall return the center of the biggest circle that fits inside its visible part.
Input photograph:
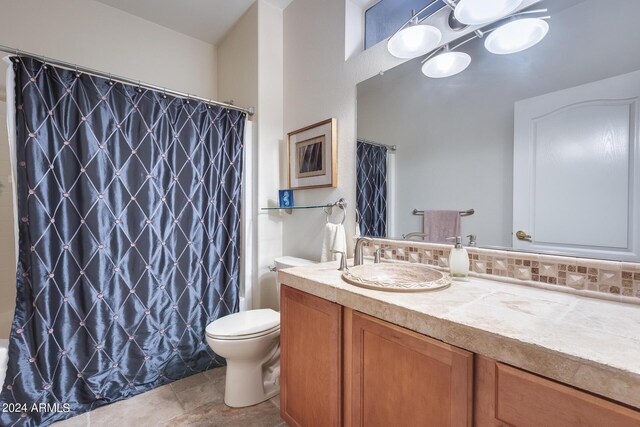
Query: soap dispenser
(458, 259)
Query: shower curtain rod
(249, 111)
(379, 144)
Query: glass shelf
(297, 207)
(340, 203)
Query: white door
(576, 178)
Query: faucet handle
(343, 260)
(376, 256)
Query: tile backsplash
(596, 278)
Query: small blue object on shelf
(286, 198)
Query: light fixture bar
(482, 33)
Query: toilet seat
(244, 325)
(244, 337)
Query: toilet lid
(250, 322)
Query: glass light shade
(414, 41)
(478, 12)
(446, 64)
(516, 36)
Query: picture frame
(312, 154)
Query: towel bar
(462, 213)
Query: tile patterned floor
(196, 401)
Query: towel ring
(342, 205)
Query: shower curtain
(129, 237)
(371, 189)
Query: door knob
(522, 235)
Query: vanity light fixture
(446, 64)
(414, 39)
(516, 36)
(480, 12)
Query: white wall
(318, 84)
(270, 130)
(250, 73)
(7, 251)
(100, 37)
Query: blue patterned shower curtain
(129, 237)
(371, 189)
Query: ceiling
(206, 20)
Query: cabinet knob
(522, 235)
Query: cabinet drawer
(522, 399)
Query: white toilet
(4, 359)
(250, 342)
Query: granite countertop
(584, 342)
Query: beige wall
(319, 84)
(238, 61)
(250, 59)
(101, 37)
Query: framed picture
(312, 156)
(286, 198)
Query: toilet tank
(288, 262)
(291, 261)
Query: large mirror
(542, 144)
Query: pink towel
(438, 225)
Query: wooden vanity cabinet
(396, 377)
(341, 367)
(310, 360)
(507, 396)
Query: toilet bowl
(250, 342)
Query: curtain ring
(77, 71)
(44, 62)
(164, 93)
(110, 82)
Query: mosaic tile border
(619, 281)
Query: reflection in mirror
(542, 144)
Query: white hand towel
(334, 239)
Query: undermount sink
(393, 277)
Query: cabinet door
(310, 360)
(507, 396)
(401, 378)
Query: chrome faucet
(357, 256)
(414, 234)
